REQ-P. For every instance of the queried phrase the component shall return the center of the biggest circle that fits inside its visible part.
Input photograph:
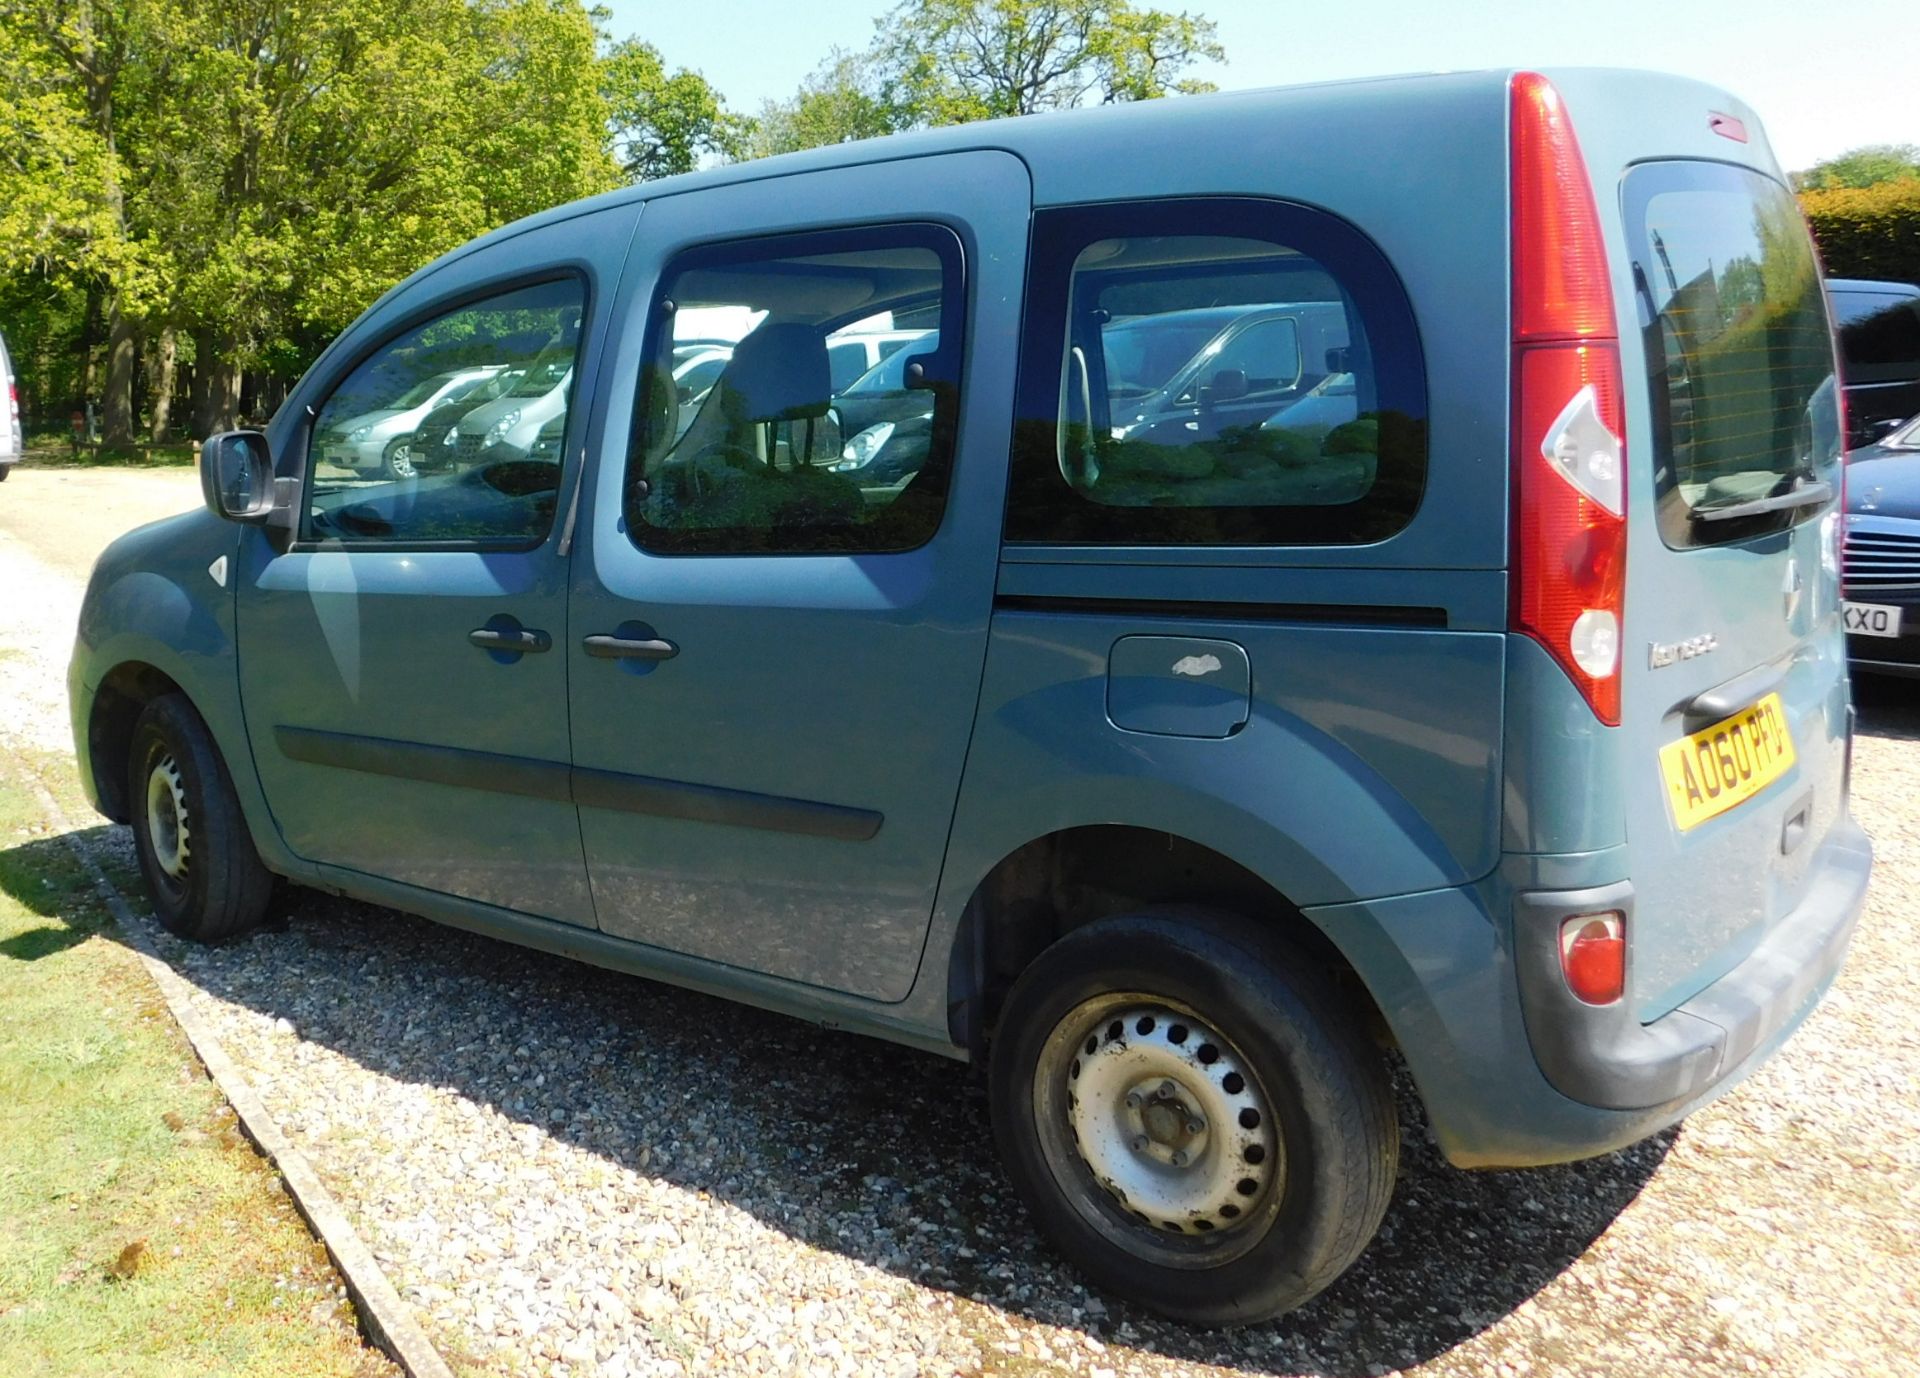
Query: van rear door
(1734, 697)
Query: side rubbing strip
(439, 765)
(601, 789)
(606, 789)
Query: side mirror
(236, 476)
(1340, 359)
(1228, 385)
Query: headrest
(779, 373)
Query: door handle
(605, 647)
(517, 640)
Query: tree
(843, 100)
(81, 62)
(662, 122)
(1866, 166)
(225, 184)
(952, 61)
(1868, 232)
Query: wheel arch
(1063, 880)
(122, 693)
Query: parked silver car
(382, 439)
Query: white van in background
(10, 438)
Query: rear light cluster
(1593, 956)
(1569, 450)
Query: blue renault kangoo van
(1184, 766)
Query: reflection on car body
(382, 439)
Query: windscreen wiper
(1804, 493)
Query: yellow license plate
(1710, 771)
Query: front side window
(789, 443)
(1739, 350)
(450, 432)
(1217, 372)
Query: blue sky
(1825, 75)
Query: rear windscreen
(1739, 350)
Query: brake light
(1593, 956)
(1568, 576)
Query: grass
(139, 1231)
(49, 452)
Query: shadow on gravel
(860, 1147)
(1887, 707)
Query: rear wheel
(1190, 1117)
(196, 855)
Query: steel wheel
(195, 852)
(169, 831)
(1156, 1127)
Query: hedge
(1868, 232)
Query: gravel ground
(572, 1172)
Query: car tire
(396, 461)
(5, 469)
(196, 854)
(1263, 1174)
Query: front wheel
(396, 461)
(196, 855)
(1191, 1117)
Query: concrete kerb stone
(386, 1319)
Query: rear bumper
(1603, 1057)
(1512, 1078)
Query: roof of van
(1047, 139)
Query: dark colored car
(1879, 353)
(886, 426)
(1881, 569)
(436, 443)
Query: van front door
(777, 629)
(402, 660)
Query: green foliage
(938, 62)
(664, 122)
(1868, 232)
(257, 174)
(953, 61)
(843, 100)
(1867, 166)
(55, 168)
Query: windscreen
(1739, 349)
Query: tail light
(1569, 560)
(1593, 956)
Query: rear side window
(1739, 350)
(1214, 372)
(778, 452)
(1879, 336)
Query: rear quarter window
(1220, 371)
